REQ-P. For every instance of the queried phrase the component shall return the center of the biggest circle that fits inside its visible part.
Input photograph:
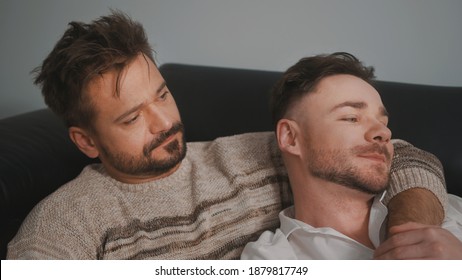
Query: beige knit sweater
(225, 194)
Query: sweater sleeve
(412, 167)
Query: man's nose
(379, 132)
(158, 119)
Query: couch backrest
(216, 101)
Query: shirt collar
(376, 221)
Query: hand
(418, 241)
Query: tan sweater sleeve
(412, 168)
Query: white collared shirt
(298, 240)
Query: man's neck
(325, 204)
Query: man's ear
(83, 140)
(287, 133)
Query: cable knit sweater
(224, 194)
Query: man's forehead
(360, 105)
(115, 78)
(344, 88)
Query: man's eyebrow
(358, 105)
(137, 107)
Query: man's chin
(375, 187)
(368, 183)
(172, 147)
(175, 152)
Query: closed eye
(132, 120)
(350, 119)
(384, 121)
(164, 96)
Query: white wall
(415, 41)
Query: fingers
(403, 243)
(412, 252)
(417, 241)
(408, 227)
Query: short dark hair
(303, 78)
(84, 52)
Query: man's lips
(374, 157)
(168, 140)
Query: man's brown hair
(84, 52)
(303, 77)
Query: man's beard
(145, 165)
(336, 166)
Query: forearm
(415, 205)
(417, 189)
